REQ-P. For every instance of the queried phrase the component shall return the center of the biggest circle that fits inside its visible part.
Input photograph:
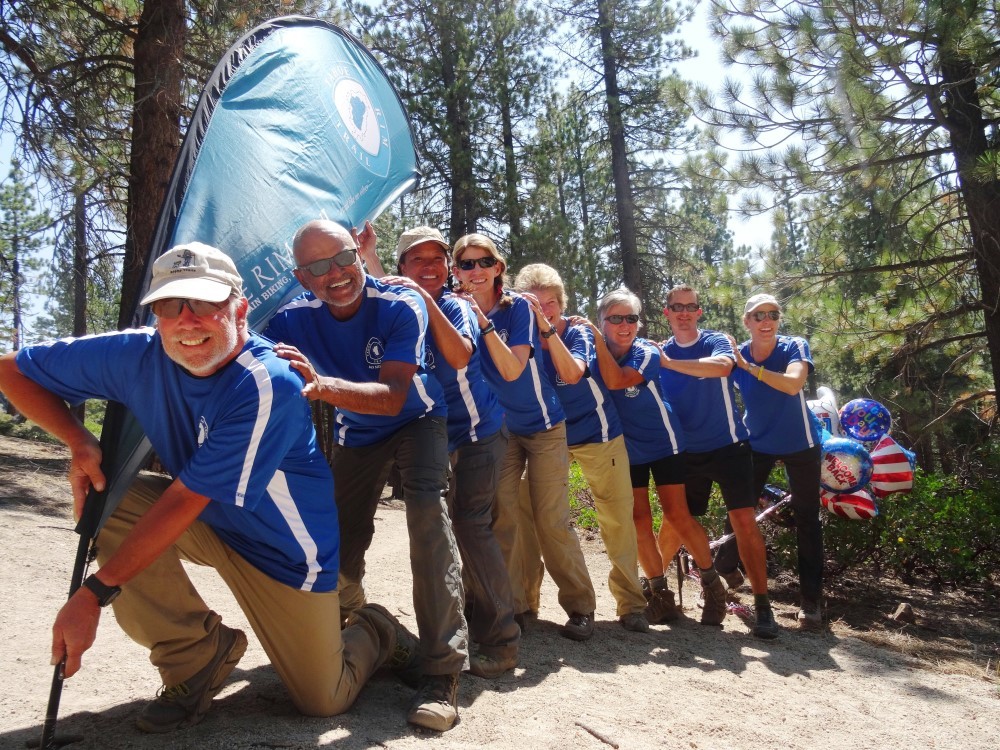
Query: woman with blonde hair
(513, 365)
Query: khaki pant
(605, 467)
(323, 669)
(547, 460)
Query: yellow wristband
(760, 372)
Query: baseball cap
(760, 299)
(417, 235)
(194, 271)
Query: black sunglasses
(619, 319)
(682, 307)
(761, 315)
(343, 259)
(171, 307)
(468, 265)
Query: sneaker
(810, 616)
(635, 622)
(714, 605)
(435, 706)
(578, 627)
(489, 667)
(186, 704)
(734, 578)
(402, 648)
(765, 627)
(661, 608)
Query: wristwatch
(105, 594)
(549, 333)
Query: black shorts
(666, 470)
(731, 467)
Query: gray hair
(620, 296)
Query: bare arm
(367, 241)
(569, 368)
(615, 376)
(51, 413)
(157, 529)
(386, 397)
(510, 361)
(790, 381)
(707, 367)
(456, 348)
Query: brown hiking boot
(714, 607)
(578, 627)
(489, 666)
(661, 607)
(435, 705)
(186, 704)
(397, 645)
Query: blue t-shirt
(705, 407)
(243, 437)
(530, 403)
(473, 410)
(650, 431)
(779, 424)
(590, 415)
(390, 325)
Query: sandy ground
(680, 686)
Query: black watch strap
(549, 333)
(105, 594)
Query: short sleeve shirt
(705, 407)
(242, 437)
(590, 415)
(529, 403)
(779, 424)
(651, 432)
(390, 325)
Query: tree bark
(624, 203)
(969, 144)
(158, 60)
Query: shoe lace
(174, 692)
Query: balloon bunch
(860, 461)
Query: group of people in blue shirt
(480, 396)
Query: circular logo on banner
(362, 125)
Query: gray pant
(420, 450)
(471, 496)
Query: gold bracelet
(760, 372)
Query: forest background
(867, 131)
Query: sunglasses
(343, 259)
(682, 307)
(171, 307)
(468, 265)
(762, 315)
(617, 320)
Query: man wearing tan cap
(247, 494)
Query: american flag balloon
(854, 506)
(891, 471)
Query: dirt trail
(683, 686)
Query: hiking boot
(523, 618)
(635, 622)
(661, 607)
(186, 704)
(647, 588)
(765, 627)
(399, 646)
(810, 616)
(435, 706)
(578, 627)
(489, 667)
(734, 578)
(714, 603)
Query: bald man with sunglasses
(247, 493)
(361, 346)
